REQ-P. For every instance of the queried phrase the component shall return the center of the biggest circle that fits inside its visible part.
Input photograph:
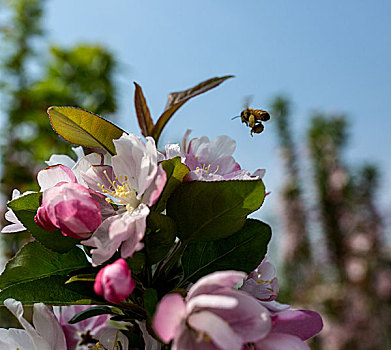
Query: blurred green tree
(31, 81)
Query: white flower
(46, 334)
(134, 182)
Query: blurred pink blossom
(262, 283)
(213, 315)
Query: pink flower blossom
(262, 283)
(114, 282)
(213, 161)
(66, 205)
(90, 328)
(213, 315)
(133, 182)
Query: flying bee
(253, 118)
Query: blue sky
(332, 56)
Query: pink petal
(280, 341)
(97, 176)
(301, 323)
(153, 192)
(216, 280)
(217, 329)
(170, 313)
(248, 319)
(114, 282)
(105, 247)
(52, 175)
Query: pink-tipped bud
(69, 207)
(114, 282)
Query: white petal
(211, 301)
(62, 159)
(79, 151)
(47, 325)
(49, 177)
(16, 309)
(15, 339)
(217, 329)
(85, 163)
(16, 225)
(109, 337)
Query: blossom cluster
(138, 248)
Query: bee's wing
(247, 101)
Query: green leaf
(30, 202)
(25, 208)
(34, 261)
(175, 172)
(177, 99)
(161, 238)
(91, 312)
(208, 211)
(84, 128)
(243, 251)
(143, 115)
(52, 291)
(136, 262)
(150, 301)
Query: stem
(170, 261)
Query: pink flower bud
(69, 207)
(114, 282)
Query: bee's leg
(251, 120)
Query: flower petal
(301, 323)
(281, 341)
(56, 159)
(16, 225)
(249, 318)
(169, 315)
(52, 175)
(84, 163)
(15, 339)
(16, 309)
(211, 301)
(217, 329)
(48, 327)
(216, 280)
(105, 247)
(153, 192)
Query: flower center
(207, 168)
(121, 191)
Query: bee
(253, 118)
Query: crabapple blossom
(46, 334)
(86, 330)
(66, 205)
(114, 282)
(213, 161)
(262, 283)
(213, 315)
(133, 182)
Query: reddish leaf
(142, 111)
